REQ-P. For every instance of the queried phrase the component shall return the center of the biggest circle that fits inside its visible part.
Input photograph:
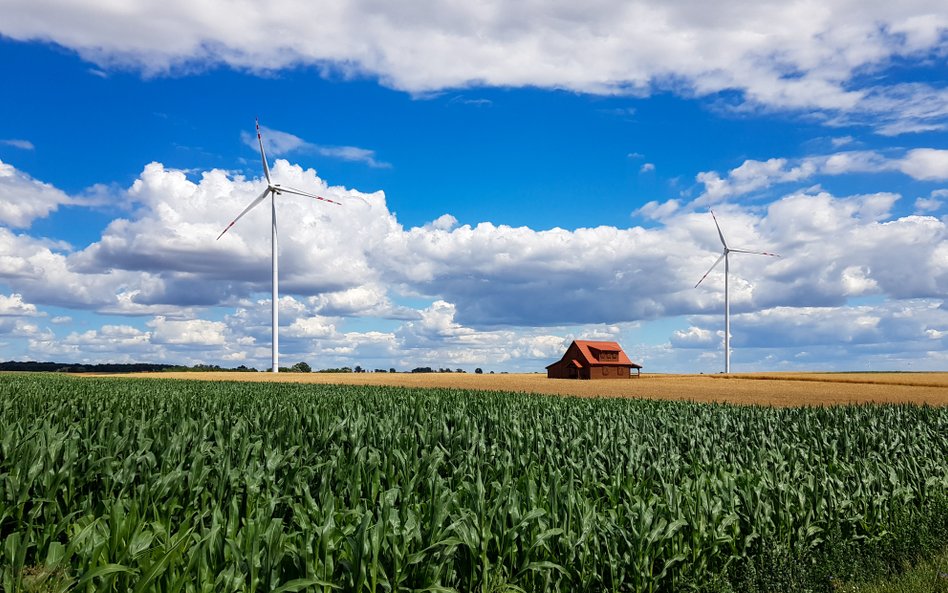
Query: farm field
(775, 389)
(146, 485)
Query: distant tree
(492, 372)
(358, 369)
(460, 371)
(422, 370)
(392, 370)
(478, 371)
(301, 367)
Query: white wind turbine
(273, 190)
(727, 302)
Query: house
(586, 359)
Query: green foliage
(926, 576)
(156, 485)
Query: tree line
(145, 367)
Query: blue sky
(527, 175)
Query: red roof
(589, 349)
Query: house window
(605, 371)
(621, 370)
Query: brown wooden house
(586, 359)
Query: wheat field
(770, 389)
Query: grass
(926, 577)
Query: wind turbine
(727, 303)
(273, 190)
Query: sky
(512, 176)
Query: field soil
(770, 389)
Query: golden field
(769, 389)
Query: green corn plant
(145, 485)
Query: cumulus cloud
(779, 55)
(486, 290)
(891, 335)
(24, 199)
(694, 337)
(192, 332)
(13, 306)
(350, 261)
(657, 210)
(924, 164)
(915, 323)
(932, 203)
(438, 338)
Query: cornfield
(158, 485)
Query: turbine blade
(252, 205)
(290, 190)
(263, 155)
(709, 270)
(720, 234)
(753, 252)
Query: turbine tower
(273, 190)
(727, 302)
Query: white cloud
(926, 163)
(17, 143)
(493, 294)
(658, 210)
(368, 300)
(750, 176)
(310, 327)
(932, 203)
(24, 199)
(445, 222)
(904, 108)
(782, 327)
(783, 55)
(191, 332)
(857, 281)
(278, 143)
(647, 168)
(349, 261)
(48, 273)
(694, 337)
(108, 343)
(13, 306)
